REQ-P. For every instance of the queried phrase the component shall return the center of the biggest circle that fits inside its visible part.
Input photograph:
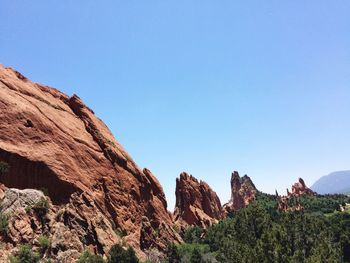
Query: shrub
(193, 234)
(88, 257)
(25, 255)
(173, 254)
(44, 190)
(4, 167)
(196, 256)
(41, 207)
(44, 243)
(4, 221)
(117, 254)
(192, 252)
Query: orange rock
(54, 141)
(298, 189)
(243, 192)
(196, 203)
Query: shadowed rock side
(243, 192)
(196, 203)
(55, 142)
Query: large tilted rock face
(243, 192)
(54, 141)
(196, 203)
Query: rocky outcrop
(55, 142)
(71, 228)
(14, 199)
(196, 203)
(243, 192)
(298, 189)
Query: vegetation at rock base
(4, 168)
(41, 207)
(44, 243)
(88, 257)
(118, 254)
(258, 233)
(25, 254)
(4, 221)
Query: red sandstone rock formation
(196, 203)
(243, 192)
(54, 141)
(298, 189)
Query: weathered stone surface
(54, 141)
(243, 192)
(14, 198)
(196, 203)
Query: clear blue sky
(208, 87)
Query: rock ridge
(54, 141)
(196, 203)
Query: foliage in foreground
(258, 233)
(25, 255)
(117, 254)
(88, 257)
(4, 221)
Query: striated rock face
(243, 192)
(14, 199)
(196, 203)
(55, 142)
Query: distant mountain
(337, 182)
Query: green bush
(192, 252)
(44, 243)
(41, 207)
(4, 168)
(117, 254)
(173, 254)
(4, 221)
(25, 255)
(88, 257)
(193, 234)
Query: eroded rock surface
(54, 141)
(196, 203)
(14, 199)
(298, 189)
(243, 192)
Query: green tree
(88, 257)
(25, 255)
(173, 254)
(193, 234)
(118, 254)
(196, 256)
(4, 221)
(44, 243)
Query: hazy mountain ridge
(336, 182)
